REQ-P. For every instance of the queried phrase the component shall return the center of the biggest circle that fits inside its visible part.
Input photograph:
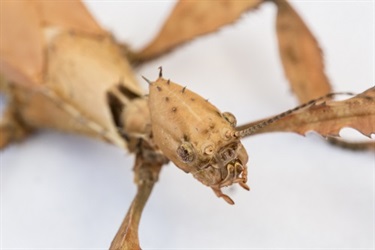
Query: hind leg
(12, 129)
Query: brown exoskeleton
(197, 137)
(260, 216)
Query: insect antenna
(254, 128)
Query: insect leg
(12, 129)
(146, 171)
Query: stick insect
(61, 191)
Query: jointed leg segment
(12, 129)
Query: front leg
(147, 168)
(12, 129)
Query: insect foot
(196, 136)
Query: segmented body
(89, 88)
(75, 94)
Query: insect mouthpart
(234, 172)
(217, 177)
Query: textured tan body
(181, 116)
(65, 72)
(80, 71)
(196, 136)
(61, 69)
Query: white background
(64, 191)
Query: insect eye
(186, 152)
(230, 118)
